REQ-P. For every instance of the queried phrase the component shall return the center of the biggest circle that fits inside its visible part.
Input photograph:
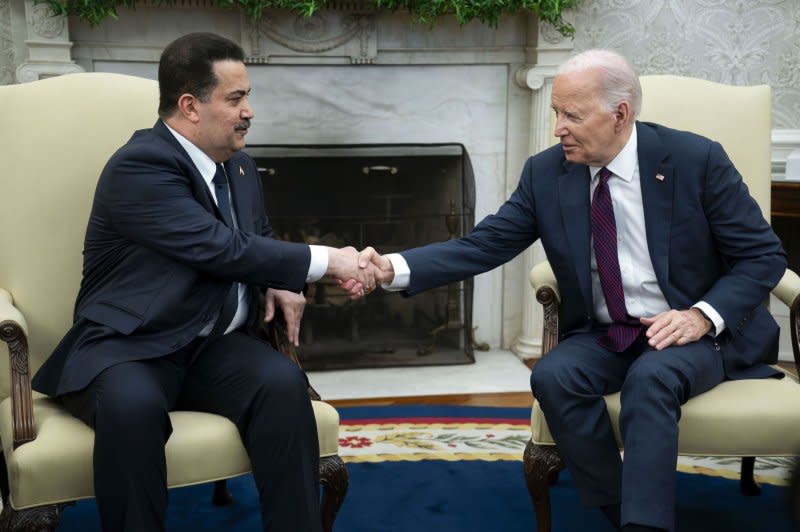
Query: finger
(349, 285)
(269, 306)
(294, 331)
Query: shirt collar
(204, 164)
(624, 164)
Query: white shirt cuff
(719, 323)
(402, 273)
(319, 263)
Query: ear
(187, 106)
(622, 115)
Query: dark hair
(186, 66)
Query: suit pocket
(112, 315)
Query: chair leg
(747, 483)
(335, 480)
(542, 464)
(222, 495)
(39, 519)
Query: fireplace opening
(391, 197)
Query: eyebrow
(239, 93)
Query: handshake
(359, 273)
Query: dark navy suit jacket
(706, 235)
(158, 260)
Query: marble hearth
(354, 76)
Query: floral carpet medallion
(392, 440)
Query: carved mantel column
(48, 45)
(552, 49)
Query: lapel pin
(241, 172)
(660, 177)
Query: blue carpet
(467, 496)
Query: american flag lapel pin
(660, 177)
(241, 172)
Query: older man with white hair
(663, 262)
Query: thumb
(365, 256)
(269, 306)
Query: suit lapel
(658, 185)
(573, 193)
(237, 174)
(199, 186)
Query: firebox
(391, 197)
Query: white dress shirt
(207, 169)
(643, 296)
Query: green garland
(425, 11)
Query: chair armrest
(544, 283)
(788, 288)
(788, 291)
(14, 332)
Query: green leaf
(426, 12)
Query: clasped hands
(359, 273)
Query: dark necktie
(623, 330)
(221, 189)
(232, 299)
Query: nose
(247, 110)
(560, 129)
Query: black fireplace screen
(391, 197)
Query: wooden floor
(517, 399)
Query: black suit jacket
(706, 236)
(158, 260)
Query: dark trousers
(569, 384)
(236, 376)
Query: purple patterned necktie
(624, 330)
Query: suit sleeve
(150, 201)
(752, 253)
(497, 239)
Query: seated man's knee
(551, 375)
(284, 378)
(132, 417)
(649, 383)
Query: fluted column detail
(552, 49)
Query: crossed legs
(569, 384)
(236, 376)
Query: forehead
(577, 89)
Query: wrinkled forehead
(577, 88)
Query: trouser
(237, 376)
(569, 383)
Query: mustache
(244, 124)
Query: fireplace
(406, 195)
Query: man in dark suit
(177, 247)
(663, 262)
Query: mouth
(242, 127)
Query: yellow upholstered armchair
(55, 137)
(746, 418)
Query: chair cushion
(755, 417)
(57, 465)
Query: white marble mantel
(352, 75)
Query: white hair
(618, 79)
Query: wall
(742, 42)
